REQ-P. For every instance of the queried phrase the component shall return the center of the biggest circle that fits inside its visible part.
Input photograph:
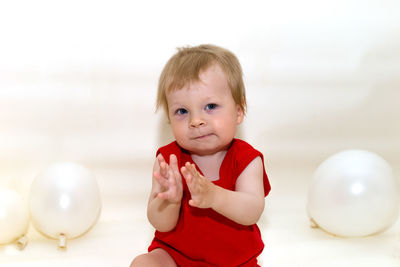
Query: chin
(204, 148)
(204, 151)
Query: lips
(202, 136)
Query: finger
(193, 203)
(194, 170)
(192, 184)
(163, 195)
(164, 168)
(173, 162)
(189, 168)
(171, 189)
(188, 165)
(162, 164)
(184, 171)
(186, 174)
(160, 158)
(166, 194)
(190, 181)
(171, 177)
(160, 179)
(177, 177)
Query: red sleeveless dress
(203, 237)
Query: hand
(170, 179)
(201, 189)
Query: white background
(78, 82)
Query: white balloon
(14, 216)
(354, 193)
(64, 200)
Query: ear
(240, 114)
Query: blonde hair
(184, 67)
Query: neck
(210, 164)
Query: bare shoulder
(251, 179)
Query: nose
(197, 121)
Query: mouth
(200, 137)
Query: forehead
(211, 77)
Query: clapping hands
(201, 189)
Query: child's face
(203, 114)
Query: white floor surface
(123, 231)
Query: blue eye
(211, 106)
(181, 111)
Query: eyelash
(211, 106)
(182, 111)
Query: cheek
(224, 125)
(178, 128)
(226, 121)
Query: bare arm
(244, 205)
(166, 195)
